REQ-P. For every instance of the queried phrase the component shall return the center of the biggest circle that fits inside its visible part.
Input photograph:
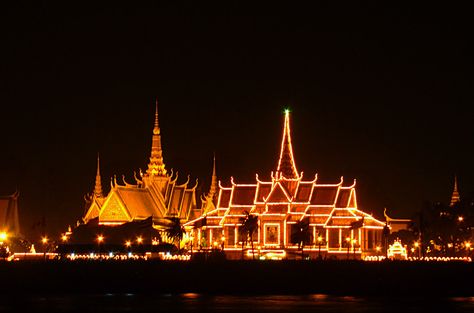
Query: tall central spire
(286, 163)
(213, 188)
(156, 167)
(98, 185)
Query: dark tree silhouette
(175, 231)
(301, 234)
(249, 224)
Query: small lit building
(337, 227)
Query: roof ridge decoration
(286, 163)
(156, 167)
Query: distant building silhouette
(9, 221)
(455, 196)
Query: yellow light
(416, 244)
(320, 239)
(348, 239)
(215, 243)
(412, 250)
(100, 238)
(460, 218)
(287, 111)
(64, 238)
(3, 236)
(378, 248)
(223, 238)
(467, 244)
(139, 239)
(44, 240)
(128, 243)
(450, 245)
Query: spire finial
(455, 196)
(156, 167)
(157, 127)
(213, 188)
(286, 163)
(98, 185)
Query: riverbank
(239, 277)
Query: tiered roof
(289, 196)
(155, 194)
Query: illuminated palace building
(333, 225)
(154, 196)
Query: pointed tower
(213, 188)
(156, 167)
(98, 184)
(455, 196)
(209, 200)
(286, 163)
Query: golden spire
(98, 184)
(455, 196)
(213, 188)
(286, 163)
(156, 167)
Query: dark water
(206, 303)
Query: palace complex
(282, 205)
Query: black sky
(381, 94)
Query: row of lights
(100, 239)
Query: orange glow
(128, 243)
(460, 218)
(3, 236)
(64, 238)
(100, 238)
(450, 245)
(139, 240)
(320, 239)
(416, 244)
(44, 240)
(467, 244)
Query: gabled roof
(343, 197)
(138, 202)
(263, 190)
(224, 198)
(243, 195)
(324, 194)
(304, 192)
(277, 195)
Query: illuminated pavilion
(155, 194)
(336, 226)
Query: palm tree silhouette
(249, 224)
(175, 231)
(301, 234)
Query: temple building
(335, 224)
(156, 194)
(9, 221)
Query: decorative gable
(114, 210)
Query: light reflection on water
(193, 302)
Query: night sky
(381, 94)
